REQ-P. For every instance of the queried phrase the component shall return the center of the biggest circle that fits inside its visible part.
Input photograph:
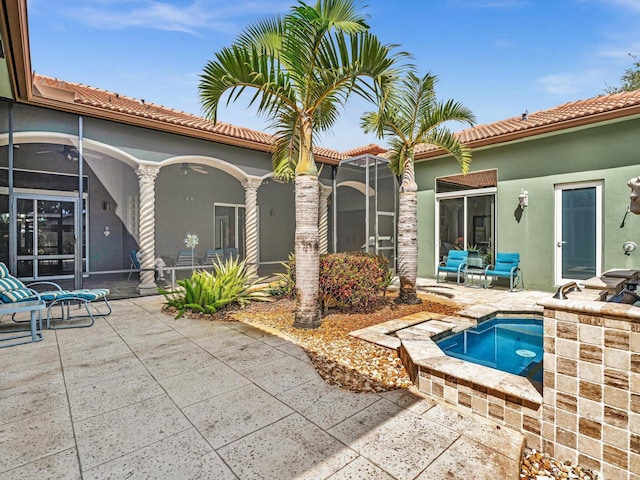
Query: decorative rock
(540, 466)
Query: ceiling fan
(67, 151)
(184, 169)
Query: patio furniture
(230, 253)
(56, 296)
(186, 258)
(507, 266)
(215, 256)
(15, 298)
(135, 263)
(456, 263)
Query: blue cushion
(85, 294)
(499, 273)
(10, 283)
(52, 295)
(4, 271)
(17, 295)
(448, 269)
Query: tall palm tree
(409, 114)
(301, 68)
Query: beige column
(251, 185)
(146, 181)
(323, 222)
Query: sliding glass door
(467, 222)
(46, 236)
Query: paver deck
(141, 395)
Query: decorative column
(323, 222)
(146, 180)
(251, 185)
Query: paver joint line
(305, 407)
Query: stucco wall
(608, 153)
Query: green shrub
(285, 286)
(347, 280)
(209, 292)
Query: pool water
(513, 345)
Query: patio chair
(230, 253)
(507, 266)
(186, 258)
(135, 263)
(214, 256)
(456, 263)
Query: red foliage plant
(352, 280)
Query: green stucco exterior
(608, 152)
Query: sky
(497, 57)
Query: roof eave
(541, 130)
(124, 118)
(14, 29)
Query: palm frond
(409, 114)
(445, 139)
(237, 69)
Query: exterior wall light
(523, 199)
(629, 247)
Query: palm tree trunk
(308, 314)
(408, 235)
(307, 253)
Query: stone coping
(416, 334)
(619, 310)
(425, 354)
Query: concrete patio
(141, 395)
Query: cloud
(504, 43)
(589, 81)
(190, 18)
(559, 84)
(628, 4)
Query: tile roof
(372, 149)
(481, 179)
(569, 115)
(127, 106)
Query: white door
(578, 231)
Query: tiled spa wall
(589, 412)
(591, 409)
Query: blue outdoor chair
(135, 263)
(456, 263)
(230, 253)
(187, 258)
(507, 266)
(214, 256)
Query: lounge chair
(16, 297)
(55, 296)
(507, 266)
(456, 263)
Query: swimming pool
(513, 345)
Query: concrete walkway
(141, 395)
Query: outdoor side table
(34, 308)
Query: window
(465, 207)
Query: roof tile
(587, 110)
(106, 100)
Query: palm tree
(410, 115)
(301, 68)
